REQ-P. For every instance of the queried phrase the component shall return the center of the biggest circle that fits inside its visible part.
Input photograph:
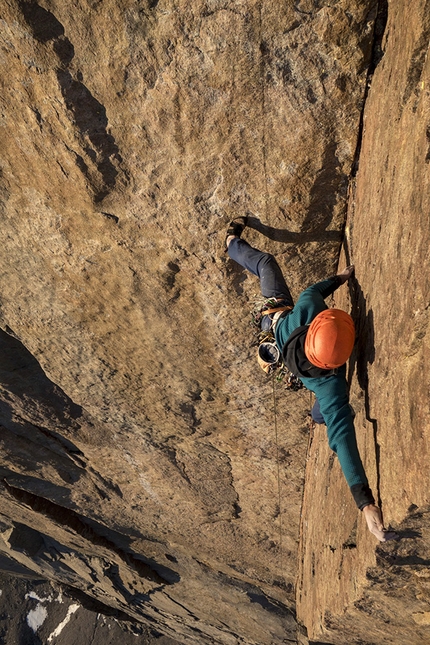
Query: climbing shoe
(235, 227)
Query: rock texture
(382, 596)
(139, 456)
(33, 612)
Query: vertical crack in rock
(419, 56)
(43, 23)
(263, 55)
(376, 57)
(362, 357)
(88, 113)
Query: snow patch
(57, 631)
(36, 617)
(34, 596)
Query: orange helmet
(330, 339)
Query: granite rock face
(139, 454)
(381, 595)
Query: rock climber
(320, 341)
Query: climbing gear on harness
(291, 381)
(270, 360)
(276, 309)
(330, 339)
(265, 317)
(265, 312)
(268, 356)
(235, 227)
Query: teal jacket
(331, 392)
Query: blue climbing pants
(316, 413)
(264, 266)
(272, 283)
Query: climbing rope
(278, 467)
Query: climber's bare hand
(375, 525)
(346, 273)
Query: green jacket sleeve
(311, 301)
(332, 394)
(324, 288)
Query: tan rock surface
(381, 596)
(139, 453)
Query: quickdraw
(266, 308)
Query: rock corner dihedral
(139, 464)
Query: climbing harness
(265, 317)
(262, 314)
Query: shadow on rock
(289, 237)
(22, 375)
(89, 114)
(238, 275)
(363, 355)
(324, 192)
